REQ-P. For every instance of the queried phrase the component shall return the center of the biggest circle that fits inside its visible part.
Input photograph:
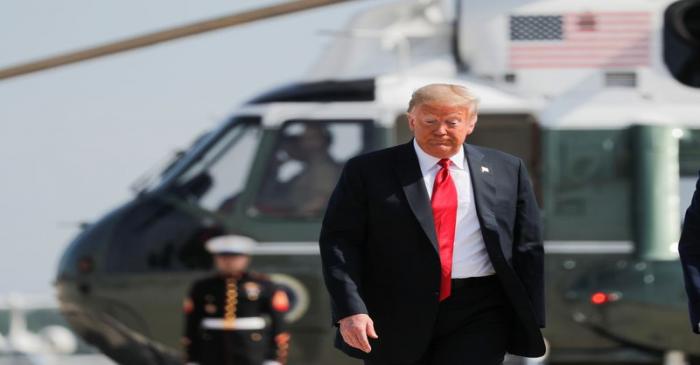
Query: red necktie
(444, 203)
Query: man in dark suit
(689, 250)
(432, 249)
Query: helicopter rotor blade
(165, 36)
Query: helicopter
(600, 99)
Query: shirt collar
(427, 161)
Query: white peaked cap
(230, 244)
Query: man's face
(231, 264)
(312, 140)
(441, 129)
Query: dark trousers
(471, 327)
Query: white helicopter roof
(591, 105)
(561, 98)
(391, 96)
(395, 91)
(618, 109)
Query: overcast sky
(73, 139)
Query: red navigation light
(599, 298)
(86, 265)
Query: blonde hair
(450, 93)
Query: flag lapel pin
(485, 169)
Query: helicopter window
(160, 237)
(305, 166)
(153, 178)
(588, 174)
(218, 176)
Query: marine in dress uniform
(235, 316)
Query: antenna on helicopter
(164, 36)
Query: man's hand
(355, 330)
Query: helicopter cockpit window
(305, 165)
(153, 178)
(217, 178)
(159, 236)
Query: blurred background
(119, 167)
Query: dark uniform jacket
(235, 320)
(689, 250)
(380, 253)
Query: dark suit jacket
(379, 248)
(689, 250)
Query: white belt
(241, 323)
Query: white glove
(271, 362)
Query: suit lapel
(481, 173)
(411, 177)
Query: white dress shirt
(469, 257)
